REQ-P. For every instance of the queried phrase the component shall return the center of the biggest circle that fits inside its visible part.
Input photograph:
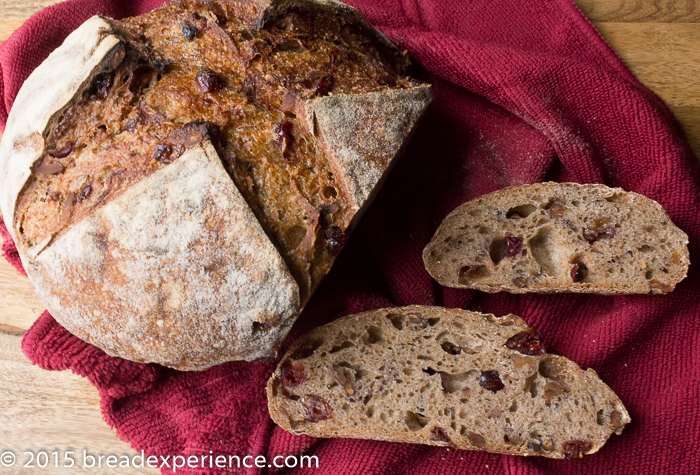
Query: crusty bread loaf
(442, 377)
(178, 183)
(559, 237)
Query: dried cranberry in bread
(559, 237)
(178, 183)
(443, 377)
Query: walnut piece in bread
(445, 377)
(178, 183)
(559, 237)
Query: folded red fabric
(524, 92)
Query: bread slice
(443, 377)
(559, 237)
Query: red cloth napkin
(524, 92)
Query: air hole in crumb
(513, 407)
(433, 321)
(543, 249)
(330, 192)
(522, 211)
(468, 273)
(342, 346)
(374, 335)
(579, 272)
(531, 385)
(549, 369)
(600, 418)
(617, 198)
(415, 421)
(649, 274)
(497, 250)
(646, 248)
(483, 230)
(450, 348)
(396, 320)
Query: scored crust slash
(184, 180)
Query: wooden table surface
(658, 39)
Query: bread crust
(362, 133)
(415, 374)
(51, 88)
(176, 269)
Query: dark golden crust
(197, 62)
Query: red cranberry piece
(321, 82)
(438, 434)
(292, 374)
(335, 240)
(208, 81)
(85, 192)
(101, 84)
(189, 32)
(317, 409)
(602, 231)
(163, 154)
(490, 381)
(574, 449)
(283, 135)
(579, 272)
(64, 150)
(514, 245)
(527, 343)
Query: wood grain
(50, 410)
(19, 304)
(666, 58)
(659, 40)
(641, 11)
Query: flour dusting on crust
(180, 264)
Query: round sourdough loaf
(178, 183)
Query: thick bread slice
(559, 237)
(442, 377)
